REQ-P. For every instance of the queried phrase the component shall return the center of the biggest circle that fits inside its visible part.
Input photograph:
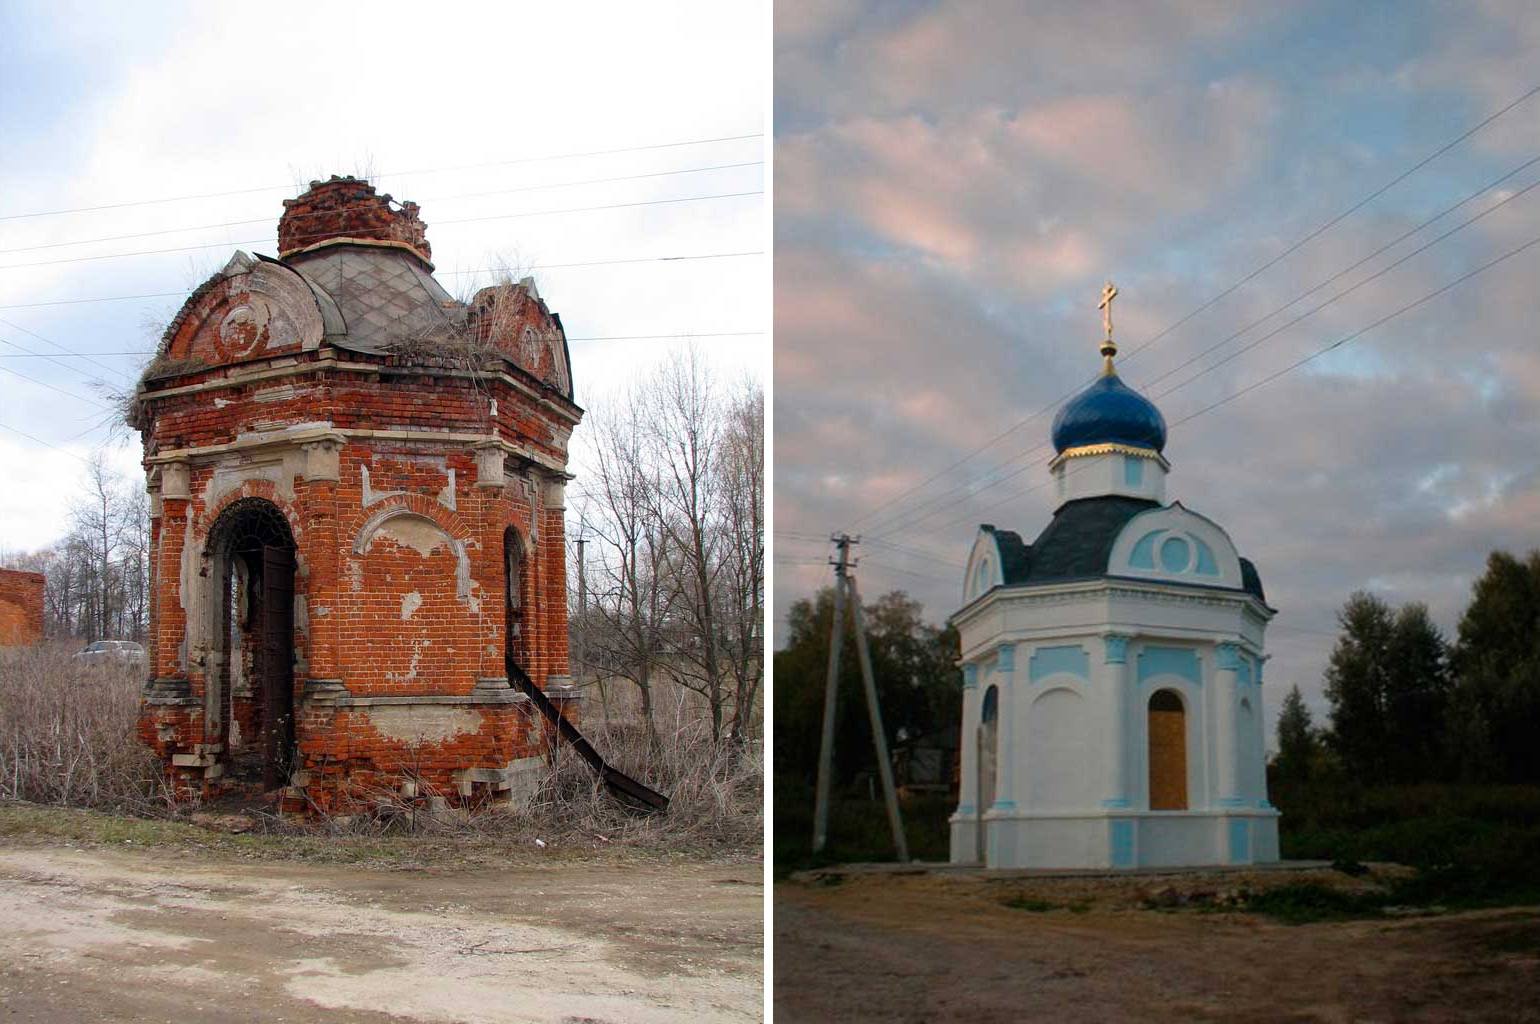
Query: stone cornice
(314, 433)
(289, 366)
(1075, 591)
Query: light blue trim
(1259, 663)
(1206, 564)
(1122, 842)
(964, 808)
(1240, 842)
(970, 676)
(1243, 673)
(1133, 471)
(1174, 661)
(1004, 805)
(1116, 803)
(1116, 648)
(1143, 555)
(1005, 658)
(1048, 661)
(1265, 804)
(1232, 801)
(1227, 657)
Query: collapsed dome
(1109, 412)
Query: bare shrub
(68, 732)
(715, 792)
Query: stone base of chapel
(1117, 839)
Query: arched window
(1168, 752)
(988, 740)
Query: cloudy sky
(955, 180)
(472, 110)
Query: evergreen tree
(1296, 739)
(1496, 719)
(1357, 684)
(918, 684)
(1416, 697)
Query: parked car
(104, 652)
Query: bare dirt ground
(928, 947)
(126, 934)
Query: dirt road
(106, 935)
(923, 948)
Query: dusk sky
(460, 108)
(954, 182)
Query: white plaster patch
(421, 535)
(425, 724)
(410, 602)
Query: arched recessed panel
(1058, 725)
(1167, 736)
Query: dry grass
(68, 738)
(67, 733)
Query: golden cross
(1109, 292)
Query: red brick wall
(21, 608)
(348, 208)
(400, 571)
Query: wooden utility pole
(845, 587)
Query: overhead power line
(45, 444)
(71, 353)
(1209, 303)
(329, 213)
(1278, 373)
(442, 223)
(905, 520)
(440, 273)
(289, 186)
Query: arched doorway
(1168, 752)
(250, 558)
(516, 623)
(988, 747)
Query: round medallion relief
(243, 328)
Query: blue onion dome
(1109, 412)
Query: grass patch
(1027, 903)
(1309, 902)
(1471, 846)
(29, 824)
(858, 829)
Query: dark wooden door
(277, 664)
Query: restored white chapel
(1112, 669)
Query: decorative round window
(1175, 554)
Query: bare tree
(685, 434)
(675, 565)
(742, 471)
(97, 575)
(626, 569)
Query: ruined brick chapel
(357, 489)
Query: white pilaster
(1119, 761)
(1006, 766)
(1226, 704)
(968, 785)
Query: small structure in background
(1112, 669)
(357, 492)
(21, 608)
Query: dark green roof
(1077, 544)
